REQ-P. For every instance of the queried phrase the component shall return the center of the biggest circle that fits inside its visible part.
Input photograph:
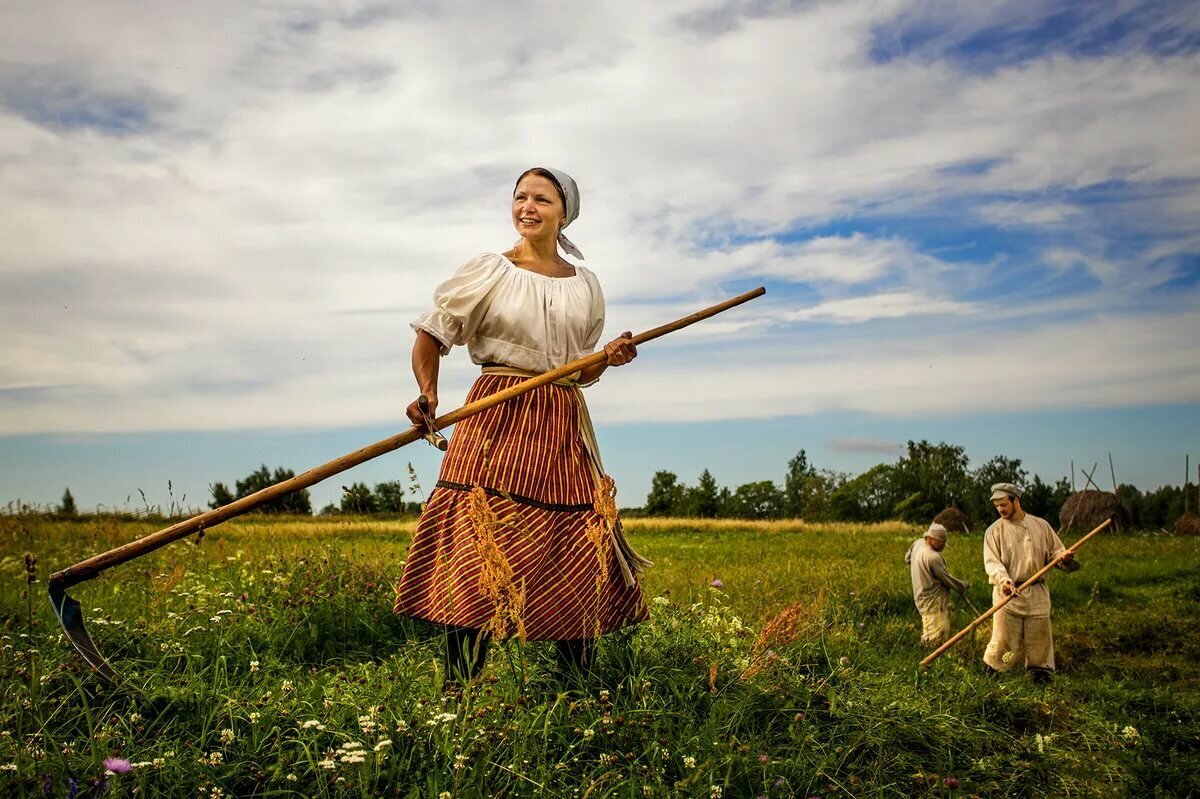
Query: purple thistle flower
(72, 787)
(717, 583)
(117, 765)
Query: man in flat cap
(1015, 547)
(932, 583)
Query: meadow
(264, 660)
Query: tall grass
(264, 661)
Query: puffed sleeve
(460, 303)
(596, 320)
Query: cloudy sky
(977, 222)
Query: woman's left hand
(621, 350)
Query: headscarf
(570, 193)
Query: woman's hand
(621, 350)
(416, 416)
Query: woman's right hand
(414, 411)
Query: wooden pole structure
(987, 614)
(1113, 472)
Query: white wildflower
(588, 734)
(384, 744)
(689, 762)
(326, 764)
(227, 737)
(254, 665)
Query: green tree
(67, 507)
(389, 497)
(358, 499)
(704, 500)
(760, 500)
(665, 494)
(297, 502)
(798, 485)
(221, 495)
(869, 497)
(928, 478)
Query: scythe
(69, 611)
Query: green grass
(259, 659)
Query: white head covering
(570, 212)
(937, 531)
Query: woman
(520, 535)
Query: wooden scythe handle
(93, 566)
(987, 614)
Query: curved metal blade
(70, 616)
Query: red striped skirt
(510, 540)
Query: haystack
(1085, 510)
(953, 520)
(1188, 524)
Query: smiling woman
(521, 536)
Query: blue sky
(976, 223)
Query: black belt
(520, 500)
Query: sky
(976, 223)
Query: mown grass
(261, 659)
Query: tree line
(357, 498)
(924, 480)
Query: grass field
(265, 661)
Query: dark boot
(573, 658)
(466, 652)
(988, 671)
(1042, 676)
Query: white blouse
(512, 316)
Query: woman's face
(537, 211)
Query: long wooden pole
(987, 614)
(93, 566)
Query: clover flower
(717, 583)
(117, 765)
(227, 737)
(689, 762)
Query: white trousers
(1020, 637)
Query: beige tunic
(931, 581)
(1016, 551)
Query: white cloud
(224, 215)
(893, 305)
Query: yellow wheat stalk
(496, 578)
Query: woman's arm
(426, 359)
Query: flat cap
(1002, 490)
(937, 531)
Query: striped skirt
(511, 540)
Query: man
(1015, 547)
(932, 583)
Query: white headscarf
(570, 212)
